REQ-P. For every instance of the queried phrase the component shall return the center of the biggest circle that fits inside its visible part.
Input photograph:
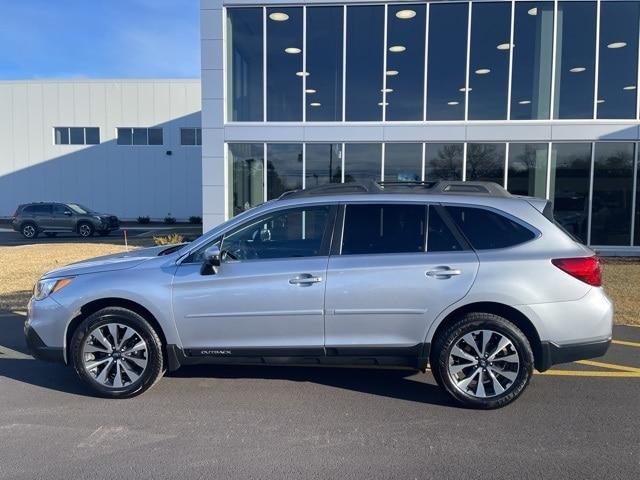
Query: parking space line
(625, 343)
(582, 373)
(611, 366)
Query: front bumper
(39, 350)
(552, 354)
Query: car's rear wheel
(29, 230)
(117, 353)
(85, 229)
(482, 361)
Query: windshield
(79, 208)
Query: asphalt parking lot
(581, 420)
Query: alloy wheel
(84, 230)
(28, 231)
(483, 363)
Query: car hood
(107, 263)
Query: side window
(38, 210)
(60, 209)
(487, 230)
(384, 228)
(297, 232)
(440, 238)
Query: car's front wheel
(117, 353)
(85, 229)
(482, 361)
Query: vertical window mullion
(424, 149)
(590, 205)
(304, 69)
(549, 146)
(633, 193)
(638, 80)
(384, 73)
(466, 86)
(304, 163)
(464, 162)
(597, 62)
(505, 180)
(554, 50)
(511, 37)
(426, 67)
(342, 167)
(264, 170)
(382, 154)
(264, 68)
(344, 74)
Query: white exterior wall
(128, 181)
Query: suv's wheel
(85, 229)
(117, 353)
(482, 361)
(29, 230)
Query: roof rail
(332, 189)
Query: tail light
(586, 269)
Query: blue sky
(99, 38)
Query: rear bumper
(39, 350)
(552, 354)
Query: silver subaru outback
(478, 284)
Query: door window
(60, 210)
(384, 228)
(298, 232)
(440, 237)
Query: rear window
(38, 209)
(487, 230)
(384, 228)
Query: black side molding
(552, 354)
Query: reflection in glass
(365, 49)
(612, 194)
(446, 75)
(443, 161)
(284, 168)
(324, 64)
(617, 74)
(575, 59)
(244, 64)
(284, 70)
(323, 164)
(362, 162)
(405, 54)
(402, 162)
(532, 60)
(490, 40)
(527, 173)
(569, 186)
(485, 162)
(246, 178)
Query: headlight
(44, 288)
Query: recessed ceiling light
(617, 45)
(302, 74)
(524, 102)
(397, 49)
(278, 16)
(292, 50)
(452, 103)
(386, 90)
(600, 101)
(465, 89)
(315, 104)
(392, 73)
(483, 71)
(533, 11)
(504, 46)
(310, 90)
(577, 69)
(383, 104)
(629, 87)
(405, 14)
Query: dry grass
(22, 266)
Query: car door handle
(305, 279)
(443, 272)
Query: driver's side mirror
(211, 260)
(68, 213)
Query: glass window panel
(124, 136)
(61, 135)
(323, 164)
(155, 136)
(443, 161)
(612, 194)
(569, 186)
(324, 63)
(244, 59)
(489, 63)
(284, 64)
(140, 136)
(246, 172)
(405, 54)
(440, 237)
(575, 59)
(92, 135)
(284, 168)
(402, 162)
(617, 74)
(187, 136)
(532, 60)
(76, 136)
(446, 72)
(485, 162)
(362, 162)
(527, 173)
(365, 49)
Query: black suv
(51, 218)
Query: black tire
(29, 230)
(50, 234)
(154, 366)
(472, 322)
(85, 229)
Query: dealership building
(538, 96)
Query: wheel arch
(505, 311)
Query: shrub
(144, 219)
(170, 239)
(169, 220)
(195, 220)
